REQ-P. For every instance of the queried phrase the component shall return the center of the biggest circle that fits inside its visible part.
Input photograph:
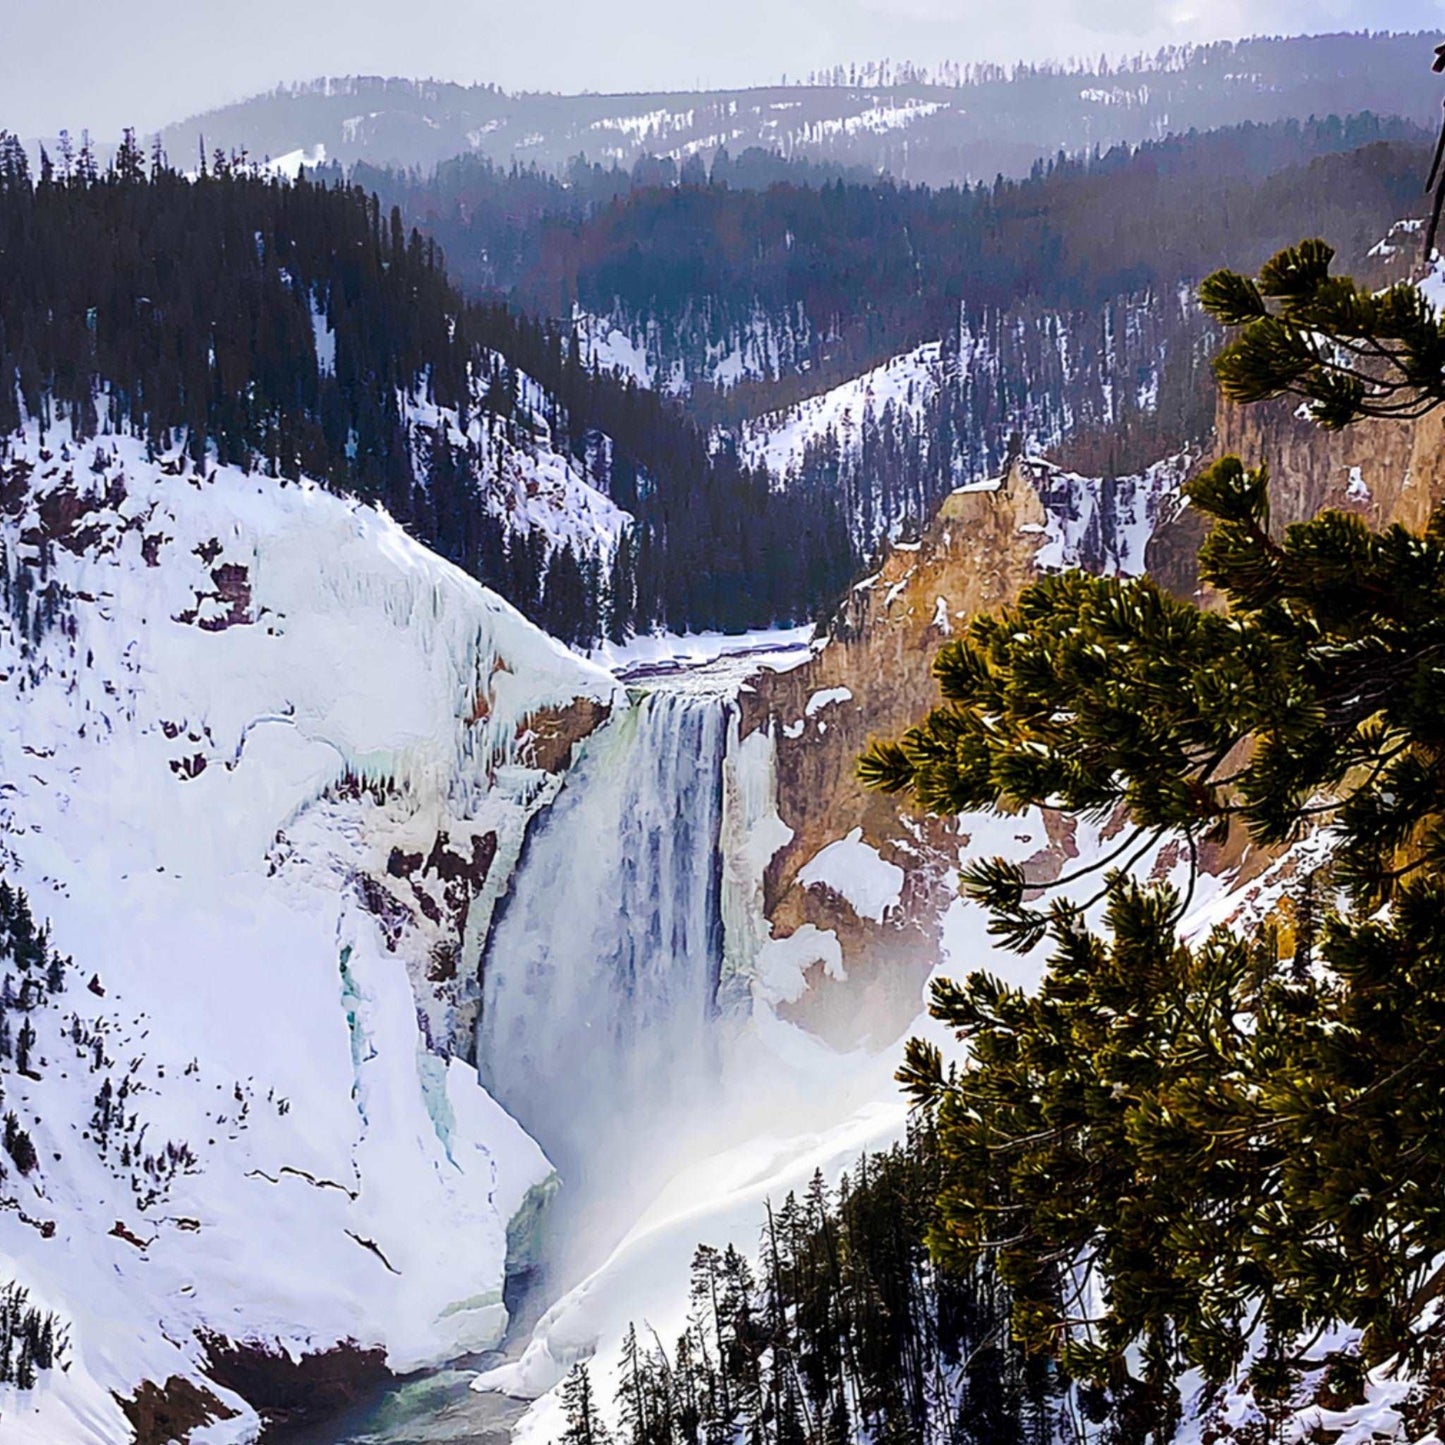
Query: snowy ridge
(936, 124)
(263, 755)
(843, 434)
(906, 383)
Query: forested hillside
(936, 328)
(300, 330)
(848, 273)
(844, 1330)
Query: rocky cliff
(873, 678)
(1386, 471)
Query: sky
(103, 64)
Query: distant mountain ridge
(992, 121)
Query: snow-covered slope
(1103, 524)
(894, 440)
(264, 760)
(907, 383)
(520, 474)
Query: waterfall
(600, 978)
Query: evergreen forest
(190, 312)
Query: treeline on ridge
(867, 268)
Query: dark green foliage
(846, 1329)
(583, 1425)
(18, 1145)
(30, 1339)
(1350, 351)
(41, 969)
(1234, 1140)
(1091, 693)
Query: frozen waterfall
(600, 978)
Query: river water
(437, 1406)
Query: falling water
(601, 975)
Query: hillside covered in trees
(340, 347)
(859, 271)
(958, 121)
(299, 330)
(1058, 307)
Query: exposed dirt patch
(162, 1413)
(287, 1392)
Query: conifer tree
(1221, 1143)
(583, 1425)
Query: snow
(858, 872)
(1388, 246)
(719, 1200)
(290, 165)
(608, 348)
(1104, 523)
(780, 649)
(779, 441)
(826, 697)
(521, 476)
(1432, 283)
(647, 126)
(203, 792)
(752, 832)
(783, 963)
(880, 117)
(644, 349)
(325, 340)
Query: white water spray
(600, 979)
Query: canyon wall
(873, 676)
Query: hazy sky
(107, 63)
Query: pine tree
(24, 1043)
(1349, 351)
(1222, 1145)
(583, 1425)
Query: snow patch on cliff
(780, 441)
(1103, 524)
(858, 872)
